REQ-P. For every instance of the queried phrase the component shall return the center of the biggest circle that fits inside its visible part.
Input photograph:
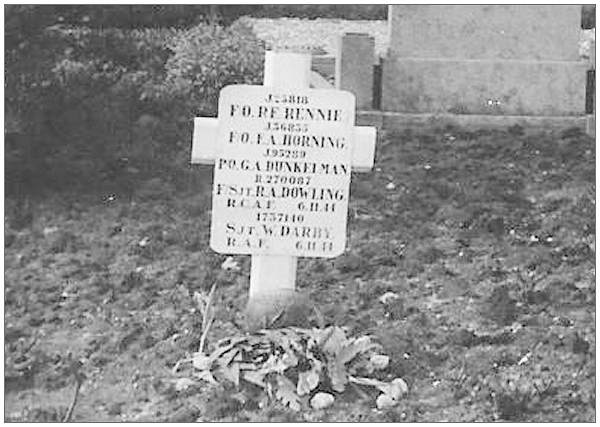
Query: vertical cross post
(273, 277)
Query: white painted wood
(250, 228)
(272, 274)
(363, 148)
(287, 70)
(204, 147)
(204, 140)
(277, 274)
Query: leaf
(223, 348)
(350, 351)
(293, 339)
(286, 338)
(247, 366)
(396, 389)
(229, 342)
(289, 360)
(311, 338)
(231, 373)
(279, 363)
(286, 393)
(201, 362)
(254, 377)
(226, 358)
(206, 376)
(360, 365)
(337, 374)
(307, 382)
(335, 342)
(378, 362)
(366, 381)
(273, 364)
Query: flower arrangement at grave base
(300, 367)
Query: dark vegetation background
(96, 94)
(102, 93)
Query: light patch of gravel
(321, 35)
(316, 35)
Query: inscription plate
(282, 172)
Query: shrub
(76, 93)
(114, 16)
(229, 13)
(178, 15)
(111, 103)
(313, 11)
(207, 58)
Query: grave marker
(282, 156)
(484, 64)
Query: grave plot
(469, 259)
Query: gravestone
(490, 60)
(282, 155)
(354, 67)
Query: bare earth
(486, 237)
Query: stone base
(400, 121)
(455, 86)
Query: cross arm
(363, 148)
(204, 144)
(204, 140)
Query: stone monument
(485, 61)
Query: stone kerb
(498, 60)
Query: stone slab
(544, 32)
(353, 69)
(545, 88)
(400, 121)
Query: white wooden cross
(224, 142)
